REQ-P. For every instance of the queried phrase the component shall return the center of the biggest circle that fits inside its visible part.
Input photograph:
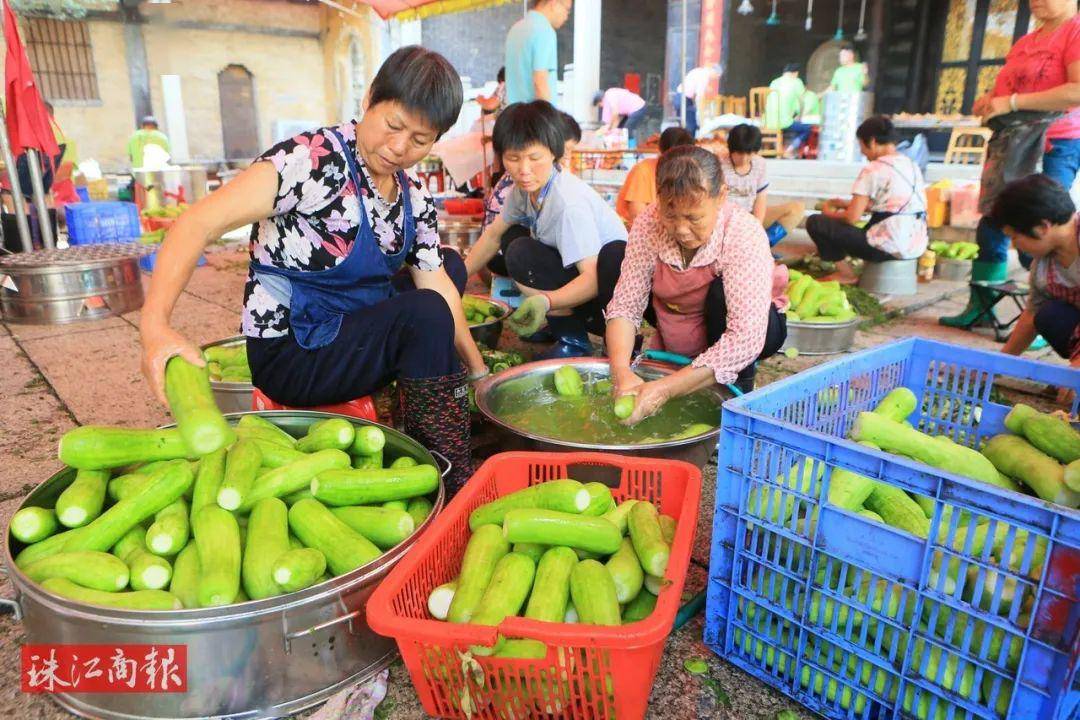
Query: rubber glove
(531, 316)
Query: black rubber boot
(435, 413)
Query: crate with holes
(893, 541)
(546, 588)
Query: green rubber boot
(977, 300)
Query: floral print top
(738, 252)
(316, 215)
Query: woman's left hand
(651, 396)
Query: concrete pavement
(53, 378)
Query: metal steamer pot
(231, 397)
(696, 450)
(260, 659)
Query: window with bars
(62, 58)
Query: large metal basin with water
(696, 450)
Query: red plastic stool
(362, 408)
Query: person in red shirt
(1041, 73)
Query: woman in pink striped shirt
(705, 268)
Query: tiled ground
(53, 378)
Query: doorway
(239, 125)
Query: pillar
(586, 70)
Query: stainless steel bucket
(953, 270)
(696, 450)
(231, 397)
(459, 232)
(821, 338)
(261, 659)
(83, 282)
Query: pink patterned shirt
(738, 252)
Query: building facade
(225, 78)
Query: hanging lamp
(809, 15)
(774, 18)
(746, 8)
(840, 23)
(861, 34)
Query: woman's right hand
(159, 344)
(981, 106)
(624, 381)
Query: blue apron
(318, 300)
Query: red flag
(28, 122)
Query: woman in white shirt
(891, 187)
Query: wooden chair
(734, 105)
(772, 139)
(967, 145)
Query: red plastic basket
(362, 408)
(464, 206)
(589, 671)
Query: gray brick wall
(632, 40)
(475, 42)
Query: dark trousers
(716, 311)
(533, 264)
(836, 240)
(497, 264)
(1057, 321)
(691, 113)
(633, 120)
(410, 335)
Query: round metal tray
(83, 282)
(696, 450)
(821, 338)
(488, 333)
(259, 659)
(231, 397)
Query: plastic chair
(967, 146)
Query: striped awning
(418, 9)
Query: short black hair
(675, 137)
(878, 128)
(686, 171)
(48, 107)
(523, 124)
(1024, 203)
(571, 129)
(424, 82)
(744, 138)
(792, 67)
(501, 75)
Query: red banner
(104, 668)
(712, 25)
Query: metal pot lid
(74, 255)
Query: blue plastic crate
(856, 619)
(92, 223)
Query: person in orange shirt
(639, 189)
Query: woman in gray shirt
(555, 266)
